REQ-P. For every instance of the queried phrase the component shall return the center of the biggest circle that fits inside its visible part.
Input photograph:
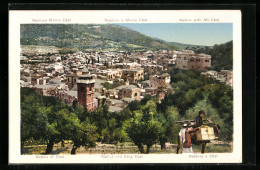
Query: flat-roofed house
(130, 91)
(133, 75)
(199, 62)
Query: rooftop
(132, 70)
(114, 101)
(72, 93)
(114, 109)
(127, 87)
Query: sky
(186, 33)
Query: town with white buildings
(113, 78)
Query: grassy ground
(120, 148)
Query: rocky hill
(90, 37)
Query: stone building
(132, 92)
(160, 81)
(151, 91)
(85, 90)
(35, 79)
(126, 65)
(228, 75)
(112, 93)
(182, 61)
(163, 61)
(199, 62)
(152, 69)
(229, 80)
(68, 96)
(71, 79)
(46, 90)
(225, 76)
(110, 74)
(133, 75)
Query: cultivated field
(121, 148)
(40, 50)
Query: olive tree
(169, 127)
(144, 128)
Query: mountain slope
(90, 37)
(185, 46)
(222, 56)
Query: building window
(184, 66)
(90, 88)
(74, 80)
(184, 58)
(135, 94)
(192, 60)
(206, 60)
(68, 79)
(198, 60)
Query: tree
(134, 105)
(210, 113)
(169, 127)
(191, 88)
(48, 119)
(84, 134)
(144, 129)
(222, 56)
(34, 120)
(221, 97)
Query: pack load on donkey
(199, 131)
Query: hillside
(89, 37)
(186, 46)
(222, 56)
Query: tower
(85, 87)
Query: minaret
(85, 86)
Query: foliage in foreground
(50, 120)
(145, 123)
(195, 92)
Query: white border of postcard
(17, 17)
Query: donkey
(190, 138)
